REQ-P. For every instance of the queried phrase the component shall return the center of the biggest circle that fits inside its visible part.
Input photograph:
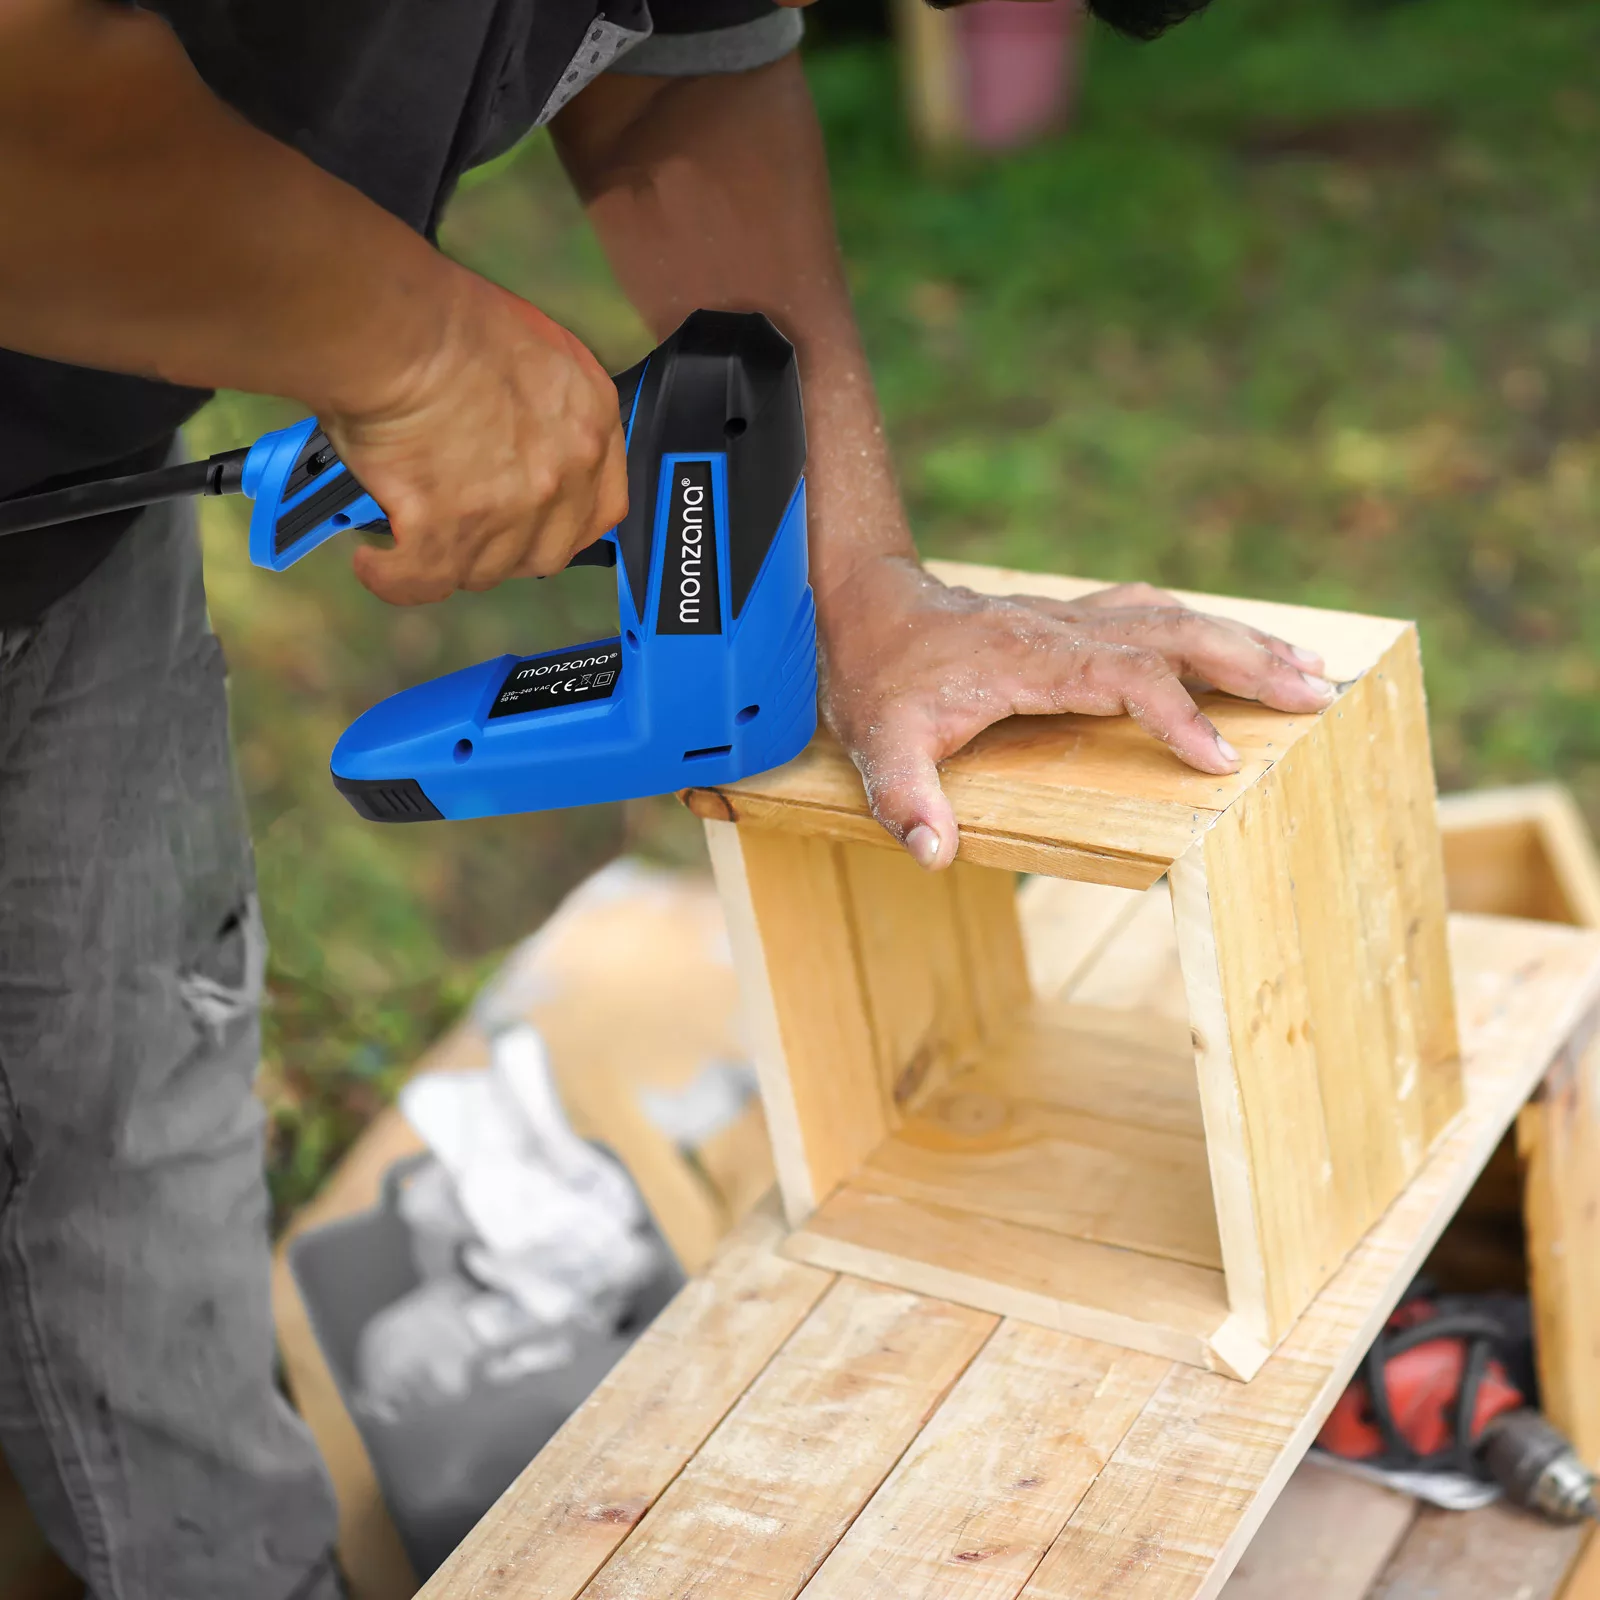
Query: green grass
(1304, 306)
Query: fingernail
(1323, 688)
(1306, 658)
(1226, 750)
(923, 843)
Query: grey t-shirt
(396, 97)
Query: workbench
(785, 1431)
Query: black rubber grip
(388, 799)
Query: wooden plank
(1164, 1308)
(824, 768)
(1495, 1553)
(995, 961)
(810, 1036)
(1065, 923)
(1558, 1137)
(1234, 1192)
(1177, 1504)
(772, 1490)
(1327, 1537)
(1138, 969)
(560, 1521)
(913, 971)
(977, 1499)
(1324, 926)
(1132, 1064)
(1038, 1165)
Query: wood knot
(711, 805)
(970, 1558)
(623, 1516)
(913, 1074)
(971, 1115)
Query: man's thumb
(902, 784)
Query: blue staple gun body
(713, 674)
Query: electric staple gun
(713, 675)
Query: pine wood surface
(1558, 1138)
(1311, 933)
(948, 1501)
(1074, 796)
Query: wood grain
(911, 960)
(1162, 1307)
(1321, 932)
(993, 956)
(772, 1490)
(805, 1013)
(1131, 1063)
(557, 1524)
(1036, 1164)
(976, 1501)
(1558, 1138)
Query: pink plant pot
(1020, 64)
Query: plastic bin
(441, 1467)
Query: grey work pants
(137, 1400)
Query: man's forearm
(150, 229)
(713, 191)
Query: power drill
(1446, 1387)
(713, 674)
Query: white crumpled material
(524, 1235)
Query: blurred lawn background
(1306, 305)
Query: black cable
(1481, 1334)
(220, 474)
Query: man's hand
(150, 229)
(500, 458)
(914, 669)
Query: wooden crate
(1180, 1184)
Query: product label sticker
(561, 678)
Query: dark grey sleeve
(699, 36)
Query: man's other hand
(500, 456)
(914, 669)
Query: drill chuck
(1537, 1467)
